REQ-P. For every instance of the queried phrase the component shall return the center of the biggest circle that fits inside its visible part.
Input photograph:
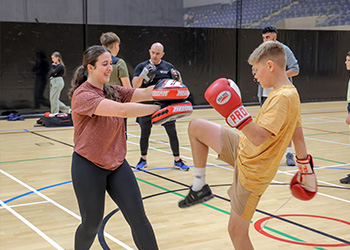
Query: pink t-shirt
(100, 139)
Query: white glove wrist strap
(304, 166)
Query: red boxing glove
(304, 183)
(225, 96)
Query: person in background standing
(292, 69)
(346, 180)
(120, 73)
(57, 84)
(146, 74)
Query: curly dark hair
(269, 29)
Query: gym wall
(130, 12)
(200, 54)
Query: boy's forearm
(299, 143)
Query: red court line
(259, 228)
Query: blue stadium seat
(224, 15)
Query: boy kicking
(255, 155)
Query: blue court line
(226, 165)
(315, 167)
(31, 192)
(67, 182)
(145, 170)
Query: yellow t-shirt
(280, 115)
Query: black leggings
(146, 125)
(90, 183)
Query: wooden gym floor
(39, 210)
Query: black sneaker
(345, 180)
(194, 197)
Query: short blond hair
(269, 50)
(108, 39)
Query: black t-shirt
(57, 70)
(163, 72)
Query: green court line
(323, 159)
(290, 237)
(58, 157)
(338, 162)
(184, 146)
(183, 196)
(328, 133)
(135, 150)
(167, 147)
(225, 212)
(36, 159)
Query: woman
(57, 84)
(98, 162)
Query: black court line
(105, 246)
(218, 196)
(260, 211)
(49, 138)
(306, 227)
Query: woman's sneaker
(195, 197)
(142, 164)
(181, 165)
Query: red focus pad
(172, 112)
(298, 191)
(170, 89)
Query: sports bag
(60, 120)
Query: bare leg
(204, 134)
(238, 229)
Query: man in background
(292, 69)
(148, 73)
